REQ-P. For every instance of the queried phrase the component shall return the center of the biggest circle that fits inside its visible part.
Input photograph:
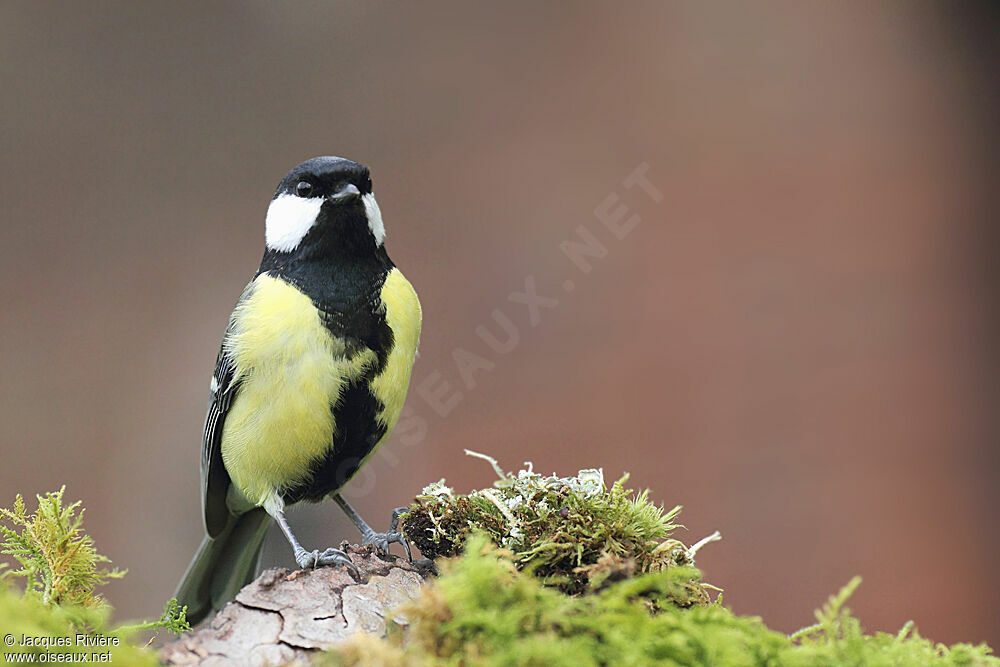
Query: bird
(310, 379)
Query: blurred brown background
(797, 343)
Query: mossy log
(534, 570)
(286, 616)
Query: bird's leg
(369, 536)
(307, 559)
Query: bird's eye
(303, 188)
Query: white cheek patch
(374, 216)
(289, 219)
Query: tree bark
(285, 616)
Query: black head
(324, 205)
(326, 176)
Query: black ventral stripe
(358, 432)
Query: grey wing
(214, 477)
(215, 480)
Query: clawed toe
(395, 535)
(383, 540)
(337, 557)
(399, 539)
(314, 559)
(369, 536)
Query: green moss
(585, 575)
(58, 612)
(484, 611)
(572, 532)
(590, 575)
(839, 639)
(58, 560)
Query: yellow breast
(291, 371)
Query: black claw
(338, 557)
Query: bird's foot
(316, 558)
(383, 540)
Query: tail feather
(223, 565)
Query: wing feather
(214, 477)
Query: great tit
(311, 377)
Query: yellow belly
(291, 371)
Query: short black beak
(345, 193)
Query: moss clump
(484, 611)
(590, 575)
(574, 533)
(58, 560)
(59, 617)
